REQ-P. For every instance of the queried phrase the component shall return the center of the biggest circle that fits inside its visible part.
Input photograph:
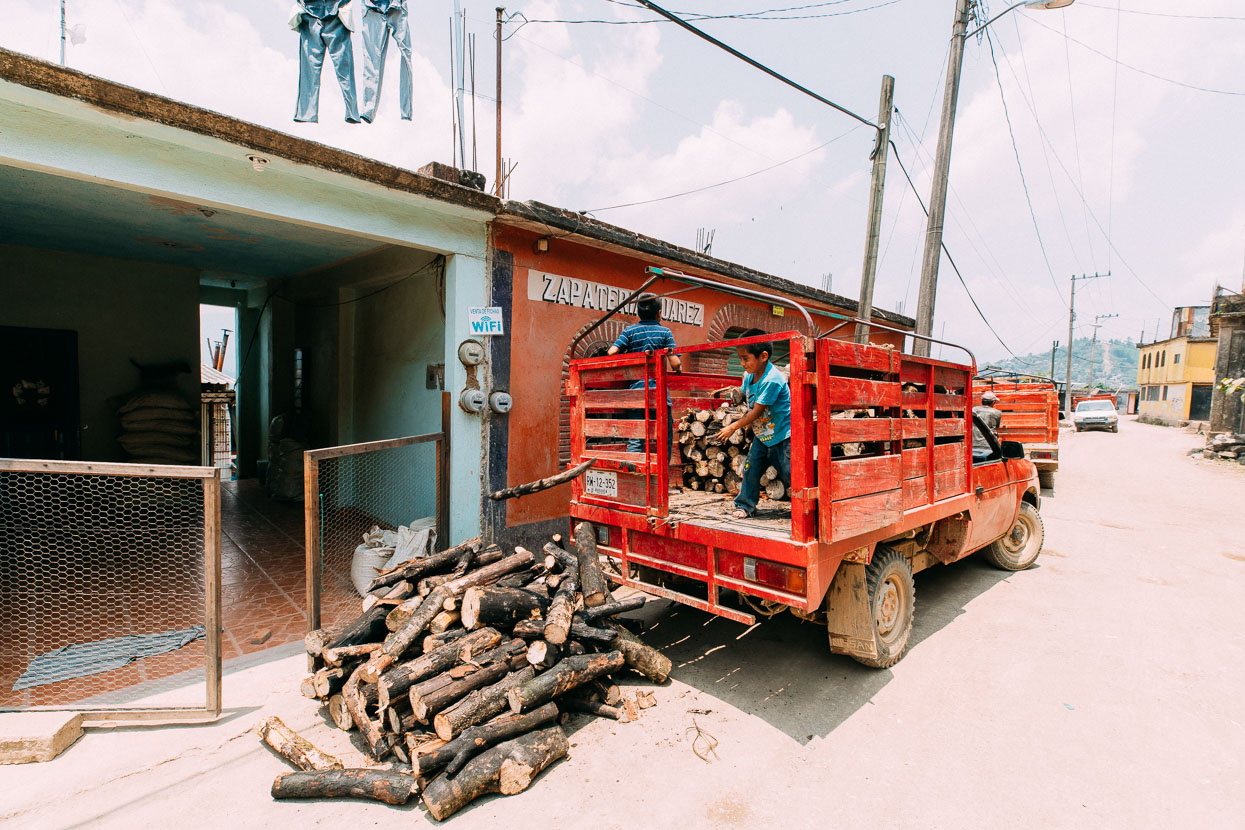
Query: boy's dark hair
(755, 349)
(648, 307)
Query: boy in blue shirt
(649, 335)
(769, 414)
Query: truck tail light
(783, 577)
(1046, 454)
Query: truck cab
(884, 483)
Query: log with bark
(293, 747)
(570, 703)
(324, 683)
(478, 706)
(558, 620)
(415, 568)
(640, 656)
(377, 785)
(453, 755)
(566, 675)
(592, 582)
(429, 698)
(507, 768)
(609, 609)
(503, 607)
(401, 677)
(543, 483)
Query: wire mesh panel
(109, 586)
(352, 489)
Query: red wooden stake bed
(883, 484)
(1031, 417)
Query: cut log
(434, 641)
(698, 429)
(640, 656)
(456, 753)
(769, 475)
(324, 683)
(425, 565)
(398, 641)
(377, 785)
(378, 742)
(564, 556)
(543, 483)
(609, 609)
(401, 722)
(478, 706)
(566, 675)
(591, 707)
(401, 677)
(294, 747)
(507, 768)
(558, 620)
(610, 693)
(369, 626)
(717, 469)
(428, 698)
(339, 713)
(775, 489)
(591, 581)
(533, 629)
(444, 621)
(502, 607)
(583, 632)
(334, 657)
(703, 415)
(316, 641)
(542, 654)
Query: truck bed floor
(772, 519)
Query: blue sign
(485, 321)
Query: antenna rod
(497, 177)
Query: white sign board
(552, 288)
(485, 321)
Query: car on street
(1096, 415)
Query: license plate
(601, 483)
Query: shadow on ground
(782, 670)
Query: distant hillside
(1115, 363)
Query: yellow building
(1177, 375)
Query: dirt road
(1098, 689)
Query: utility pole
(1094, 342)
(874, 234)
(938, 193)
(1053, 346)
(497, 176)
(1071, 341)
(62, 32)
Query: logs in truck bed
(471, 709)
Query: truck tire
(892, 597)
(1019, 549)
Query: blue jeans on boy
(761, 456)
(637, 444)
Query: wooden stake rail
(472, 709)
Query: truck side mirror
(1013, 449)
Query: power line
(766, 14)
(1137, 69)
(951, 260)
(755, 63)
(1115, 97)
(1165, 14)
(728, 181)
(1016, 151)
(1076, 137)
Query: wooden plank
(950, 483)
(698, 382)
(857, 356)
(862, 429)
(915, 492)
(863, 476)
(851, 392)
(852, 517)
(372, 446)
(949, 457)
(951, 379)
(95, 468)
(919, 400)
(212, 588)
(616, 428)
(589, 376)
(948, 426)
(915, 462)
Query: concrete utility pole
(1053, 346)
(497, 175)
(938, 192)
(1067, 400)
(1094, 342)
(874, 234)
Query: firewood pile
(718, 467)
(461, 670)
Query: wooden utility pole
(1094, 342)
(1053, 346)
(497, 176)
(62, 32)
(1071, 321)
(938, 192)
(874, 233)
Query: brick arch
(603, 336)
(740, 316)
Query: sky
(1101, 137)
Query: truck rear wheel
(1019, 549)
(892, 597)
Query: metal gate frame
(311, 503)
(210, 478)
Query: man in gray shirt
(989, 416)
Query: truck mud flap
(848, 616)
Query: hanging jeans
(377, 26)
(761, 456)
(316, 37)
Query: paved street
(1099, 689)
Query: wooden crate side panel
(851, 392)
(950, 483)
(858, 356)
(864, 476)
(852, 517)
(862, 429)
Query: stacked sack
(159, 427)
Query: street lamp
(942, 163)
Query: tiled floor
(263, 599)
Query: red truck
(884, 483)
(1031, 417)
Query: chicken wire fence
(350, 490)
(110, 588)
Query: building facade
(1227, 324)
(1176, 375)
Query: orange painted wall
(540, 334)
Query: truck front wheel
(892, 597)
(1020, 547)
